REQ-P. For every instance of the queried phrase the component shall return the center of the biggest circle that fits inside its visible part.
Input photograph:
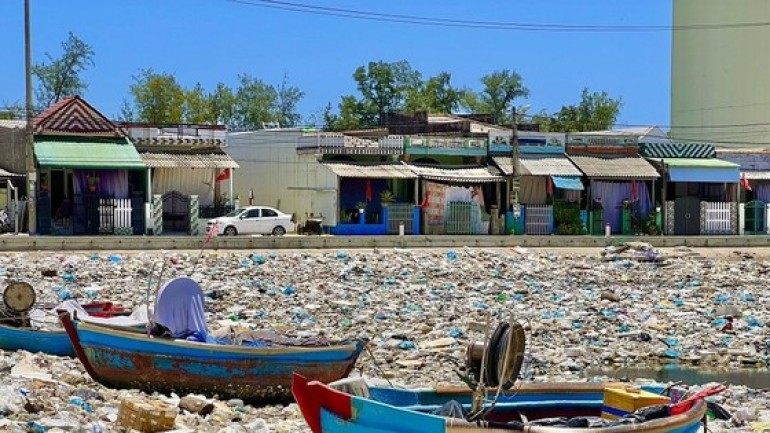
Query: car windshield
(235, 213)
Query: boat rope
(377, 365)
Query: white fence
(538, 219)
(114, 215)
(717, 218)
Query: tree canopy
(58, 78)
(596, 111)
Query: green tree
(255, 103)
(384, 87)
(11, 111)
(58, 78)
(501, 89)
(197, 106)
(595, 112)
(437, 95)
(222, 106)
(352, 115)
(158, 98)
(286, 104)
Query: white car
(253, 220)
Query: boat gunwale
(218, 348)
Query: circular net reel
(18, 299)
(498, 362)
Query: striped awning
(456, 174)
(538, 165)
(677, 150)
(381, 171)
(188, 160)
(624, 167)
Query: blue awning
(704, 174)
(567, 182)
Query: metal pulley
(500, 358)
(19, 297)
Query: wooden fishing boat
(390, 410)
(21, 336)
(493, 401)
(124, 359)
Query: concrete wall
(269, 164)
(12, 155)
(720, 76)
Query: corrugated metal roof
(188, 160)
(540, 165)
(615, 168)
(6, 173)
(460, 174)
(383, 171)
(12, 124)
(757, 175)
(699, 163)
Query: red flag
(224, 175)
(549, 185)
(425, 201)
(634, 191)
(745, 182)
(368, 189)
(212, 232)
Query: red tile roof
(74, 115)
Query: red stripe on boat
(313, 396)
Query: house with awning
(547, 176)
(754, 194)
(620, 183)
(91, 180)
(700, 191)
(189, 176)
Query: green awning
(84, 153)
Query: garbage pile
(628, 305)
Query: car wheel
(231, 231)
(279, 231)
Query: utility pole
(29, 145)
(515, 172)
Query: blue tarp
(568, 182)
(704, 174)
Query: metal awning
(382, 171)
(617, 168)
(568, 182)
(82, 153)
(702, 170)
(5, 174)
(538, 165)
(756, 175)
(455, 174)
(188, 160)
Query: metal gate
(754, 215)
(687, 216)
(176, 212)
(538, 219)
(400, 213)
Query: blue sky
(210, 41)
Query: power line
(489, 25)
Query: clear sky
(210, 41)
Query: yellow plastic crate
(145, 415)
(622, 401)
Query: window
(269, 213)
(252, 213)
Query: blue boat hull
(327, 410)
(51, 342)
(121, 359)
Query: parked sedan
(253, 220)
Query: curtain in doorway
(113, 183)
(761, 191)
(612, 195)
(199, 181)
